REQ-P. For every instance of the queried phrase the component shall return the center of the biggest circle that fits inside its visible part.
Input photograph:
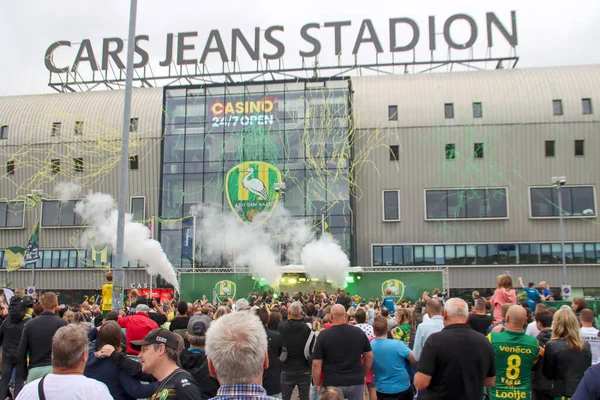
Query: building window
(450, 151)
(137, 208)
(579, 147)
(10, 167)
(133, 162)
(11, 214)
(557, 107)
(394, 152)
(478, 150)
(78, 164)
(449, 110)
(549, 148)
(79, 127)
(55, 166)
(466, 204)
(391, 208)
(577, 201)
(392, 113)
(133, 125)
(56, 126)
(4, 132)
(57, 213)
(587, 106)
(477, 110)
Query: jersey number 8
(513, 371)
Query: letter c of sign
(217, 108)
(48, 58)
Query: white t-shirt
(590, 335)
(532, 329)
(66, 387)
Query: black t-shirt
(480, 323)
(179, 385)
(179, 323)
(272, 375)
(458, 359)
(341, 347)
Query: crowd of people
(315, 345)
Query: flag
(32, 254)
(151, 229)
(8, 294)
(14, 257)
(187, 239)
(100, 257)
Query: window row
(492, 203)
(449, 149)
(59, 214)
(550, 148)
(56, 129)
(50, 259)
(486, 254)
(55, 165)
(477, 109)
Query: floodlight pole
(118, 273)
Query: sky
(549, 33)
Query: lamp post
(118, 273)
(558, 182)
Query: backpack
(309, 347)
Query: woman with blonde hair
(505, 293)
(69, 316)
(221, 311)
(566, 355)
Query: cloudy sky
(550, 32)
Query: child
(107, 295)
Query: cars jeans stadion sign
(186, 48)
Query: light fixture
(358, 277)
(350, 279)
(292, 281)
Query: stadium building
(443, 172)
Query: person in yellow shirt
(107, 295)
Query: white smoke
(325, 259)
(221, 236)
(67, 191)
(100, 214)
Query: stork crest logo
(225, 290)
(251, 189)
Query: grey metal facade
(517, 119)
(31, 144)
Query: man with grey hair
(136, 326)
(69, 357)
(295, 370)
(242, 305)
(458, 361)
(236, 347)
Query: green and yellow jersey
(516, 354)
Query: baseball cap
(198, 323)
(158, 336)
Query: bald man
(516, 353)
(338, 354)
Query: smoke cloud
(100, 214)
(225, 240)
(67, 191)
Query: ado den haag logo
(225, 290)
(250, 189)
(396, 286)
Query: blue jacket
(120, 385)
